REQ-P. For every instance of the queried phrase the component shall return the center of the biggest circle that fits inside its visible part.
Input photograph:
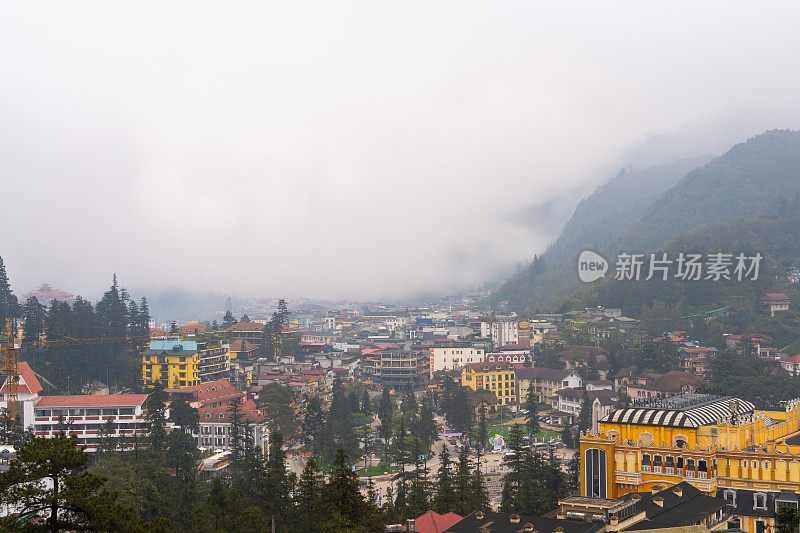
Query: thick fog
(351, 149)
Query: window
(76, 412)
(645, 462)
(109, 412)
(595, 461)
(730, 497)
(761, 526)
(126, 410)
(743, 463)
(759, 500)
(93, 412)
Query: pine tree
(400, 454)
(532, 418)
(366, 404)
(173, 328)
(228, 320)
(386, 413)
(513, 480)
(308, 496)
(236, 439)
(9, 306)
(417, 501)
(34, 315)
(73, 499)
(585, 415)
(277, 490)
(462, 485)
(409, 403)
(245, 319)
(341, 500)
(483, 431)
(445, 499)
(156, 417)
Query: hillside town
(451, 382)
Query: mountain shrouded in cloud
(348, 150)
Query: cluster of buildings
(724, 447)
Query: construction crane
(11, 372)
(11, 359)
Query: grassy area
(502, 429)
(375, 471)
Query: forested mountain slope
(760, 177)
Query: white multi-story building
(216, 424)
(503, 330)
(88, 416)
(455, 357)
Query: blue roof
(168, 345)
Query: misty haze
(374, 266)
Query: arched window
(645, 462)
(702, 468)
(680, 441)
(595, 468)
(669, 465)
(657, 463)
(689, 468)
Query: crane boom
(10, 368)
(11, 372)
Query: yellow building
(182, 363)
(723, 446)
(496, 377)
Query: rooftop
(689, 410)
(90, 400)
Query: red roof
(241, 346)
(28, 384)
(774, 296)
(192, 328)
(696, 350)
(90, 400)
(214, 390)
(433, 522)
(248, 409)
(247, 326)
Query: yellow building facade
(181, 363)
(499, 378)
(722, 446)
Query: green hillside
(753, 178)
(760, 177)
(616, 206)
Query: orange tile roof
(27, 380)
(84, 400)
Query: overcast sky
(337, 149)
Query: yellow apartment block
(496, 377)
(181, 363)
(723, 446)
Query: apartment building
(182, 363)
(215, 426)
(454, 357)
(403, 369)
(89, 417)
(499, 378)
(545, 382)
